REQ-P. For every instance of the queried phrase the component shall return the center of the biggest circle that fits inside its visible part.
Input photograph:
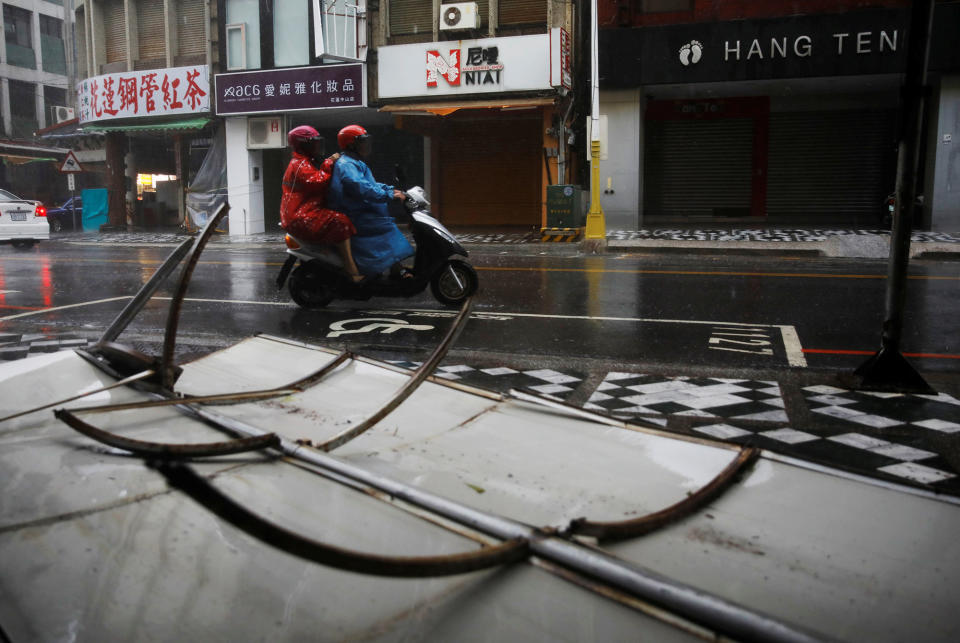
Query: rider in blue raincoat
(378, 244)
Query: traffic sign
(70, 164)
(71, 184)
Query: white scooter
(317, 276)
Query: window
(246, 40)
(515, 12)
(340, 29)
(411, 17)
(53, 97)
(291, 33)
(18, 32)
(52, 51)
(236, 47)
(23, 109)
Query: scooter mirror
(401, 177)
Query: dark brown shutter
(150, 33)
(835, 166)
(114, 29)
(191, 36)
(411, 17)
(698, 167)
(490, 172)
(516, 12)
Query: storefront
(259, 108)
(154, 123)
(786, 120)
(492, 114)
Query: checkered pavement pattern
(880, 434)
(543, 381)
(870, 416)
(624, 395)
(16, 346)
(533, 236)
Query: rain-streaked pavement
(809, 413)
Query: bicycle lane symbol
(373, 324)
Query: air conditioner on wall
(61, 113)
(459, 15)
(265, 132)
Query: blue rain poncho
(378, 243)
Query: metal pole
(689, 602)
(888, 369)
(595, 234)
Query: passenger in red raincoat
(303, 211)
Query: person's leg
(346, 254)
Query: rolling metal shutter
(150, 31)
(114, 28)
(698, 167)
(191, 36)
(515, 12)
(411, 17)
(834, 165)
(490, 172)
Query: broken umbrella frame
(556, 549)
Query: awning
(14, 159)
(173, 126)
(439, 108)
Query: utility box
(567, 206)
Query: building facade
(144, 83)
(768, 112)
(473, 100)
(36, 64)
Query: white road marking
(5, 292)
(791, 341)
(56, 308)
(371, 324)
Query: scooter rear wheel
(456, 281)
(307, 288)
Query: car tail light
(40, 211)
(291, 242)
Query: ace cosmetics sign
(485, 66)
(855, 43)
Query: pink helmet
(301, 137)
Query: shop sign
(487, 65)
(854, 43)
(287, 90)
(154, 92)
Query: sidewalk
(847, 243)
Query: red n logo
(437, 66)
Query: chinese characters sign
(154, 92)
(483, 66)
(284, 90)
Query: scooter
(316, 274)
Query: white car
(23, 222)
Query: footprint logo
(691, 53)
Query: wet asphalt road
(711, 312)
(755, 351)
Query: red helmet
(301, 137)
(350, 135)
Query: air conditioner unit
(265, 132)
(61, 113)
(459, 15)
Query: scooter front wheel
(307, 288)
(453, 283)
